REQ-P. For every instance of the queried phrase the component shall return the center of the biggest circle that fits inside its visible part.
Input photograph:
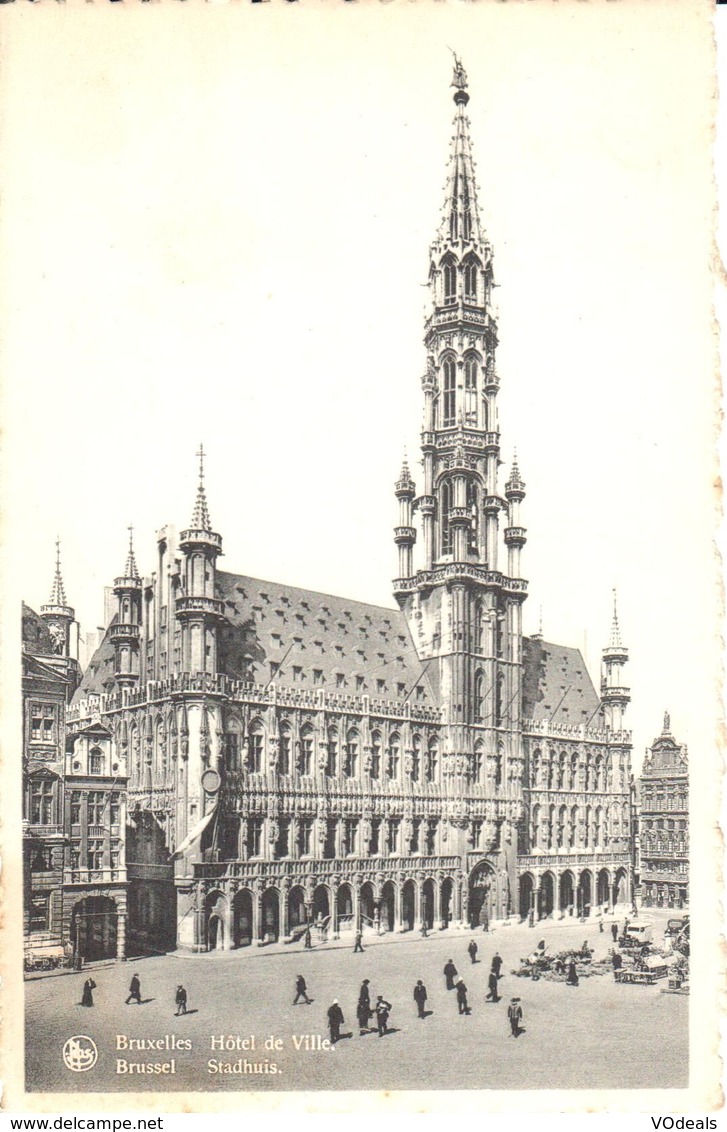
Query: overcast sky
(223, 236)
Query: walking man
(335, 1021)
(363, 1009)
(472, 949)
(381, 1010)
(301, 991)
(358, 946)
(450, 974)
(572, 976)
(134, 990)
(515, 1014)
(614, 931)
(496, 965)
(462, 1006)
(181, 1000)
(420, 997)
(308, 943)
(492, 995)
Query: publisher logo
(80, 1053)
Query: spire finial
(459, 77)
(667, 724)
(615, 641)
(130, 570)
(58, 593)
(200, 515)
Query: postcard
(361, 408)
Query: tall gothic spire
(58, 593)
(130, 570)
(615, 641)
(461, 216)
(200, 515)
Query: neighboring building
(50, 676)
(664, 823)
(294, 756)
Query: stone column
(227, 942)
(257, 916)
(334, 910)
(121, 936)
(436, 905)
(398, 902)
(357, 925)
(285, 910)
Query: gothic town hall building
(288, 758)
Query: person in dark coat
(301, 991)
(181, 1000)
(614, 931)
(88, 988)
(358, 946)
(462, 1006)
(492, 995)
(496, 964)
(450, 973)
(335, 1021)
(515, 1015)
(307, 941)
(420, 997)
(381, 1009)
(472, 949)
(572, 976)
(134, 990)
(363, 1009)
(617, 961)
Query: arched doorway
(271, 915)
(366, 905)
(296, 908)
(215, 933)
(584, 893)
(388, 905)
(482, 904)
(526, 887)
(445, 903)
(242, 918)
(344, 908)
(603, 888)
(94, 928)
(620, 887)
(408, 901)
(215, 916)
(321, 907)
(427, 904)
(566, 893)
(547, 895)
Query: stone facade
(664, 823)
(296, 759)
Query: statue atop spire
(667, 724)
(459, 78)
(200, 515)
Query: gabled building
(664, 822)
(295, 757)
(50, 675)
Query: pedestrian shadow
(144, 1001)
(427, 1013)
(390, 1030)
(186, 1012)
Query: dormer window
(95, 761)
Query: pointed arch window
(499, 697)
(376, 755)
(446, 496)
(284, 749)
(256, 747)
(350, 765)
(432, 761)
(479, 760)
(332, 761)
(449, 385)
(392, 762)
(479, 697)
(470, 273)
(471, 367)
(416, 758)
(449, 279)
(306, 750)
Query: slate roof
(316, 639)
(556, 684)
(99, 675)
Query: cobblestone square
(597, 1035)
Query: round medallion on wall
(211, 781)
